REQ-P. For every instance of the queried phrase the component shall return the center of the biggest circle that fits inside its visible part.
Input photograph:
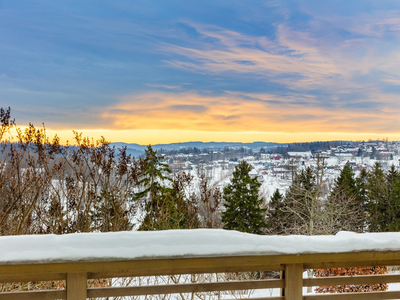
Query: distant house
(298, 155)
(260, 178)
(353, 164)
(279, 170)
(344, 155)
(253, 173)
(386, 155)
(178, 165)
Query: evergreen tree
(392, 177)
(344, 203)
(394, 208)
(153, 191)
(167, 207)
(242, 202)
(378, 200)
(152, 175)
(346, 181)
(276, 214)
(378, 194)
(362, 194)
(171, 208)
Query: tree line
(366, 203)
(309, 146)
(46, 187)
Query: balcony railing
(291, 283)
(94, 265)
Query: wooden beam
(76, 286)
(34, 295)
(154, 267)
(150, 267)
(184, 266)
(347, 280)
(184, 288)
(294, 282)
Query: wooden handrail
(292, 283)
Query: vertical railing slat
(76, 286)
(293, 282)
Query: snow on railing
(78, 258)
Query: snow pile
(180, 243)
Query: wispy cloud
(392, 80)
(164, 86)
(233, 111)
(297, 59)
(292, 59)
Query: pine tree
(172, 209)
(242, 202)
(394, 208)
(153, 191)
(166, 207)
(361, 185)
(152, 175)
(391, 177)
(378, 199)
(276, 214)
(346, 181)
(344, 203)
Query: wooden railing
(291, 283)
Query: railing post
(76, 286)
(293, 282)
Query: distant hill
(138, 150)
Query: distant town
(275, 166)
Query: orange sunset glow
(274, 72)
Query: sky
(176, 71)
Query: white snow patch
(180, 243)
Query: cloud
(294, 53)
(164, 86)
(392, 81)
(277, 66)
(330, 53)
(241, 112)
(189, 108)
